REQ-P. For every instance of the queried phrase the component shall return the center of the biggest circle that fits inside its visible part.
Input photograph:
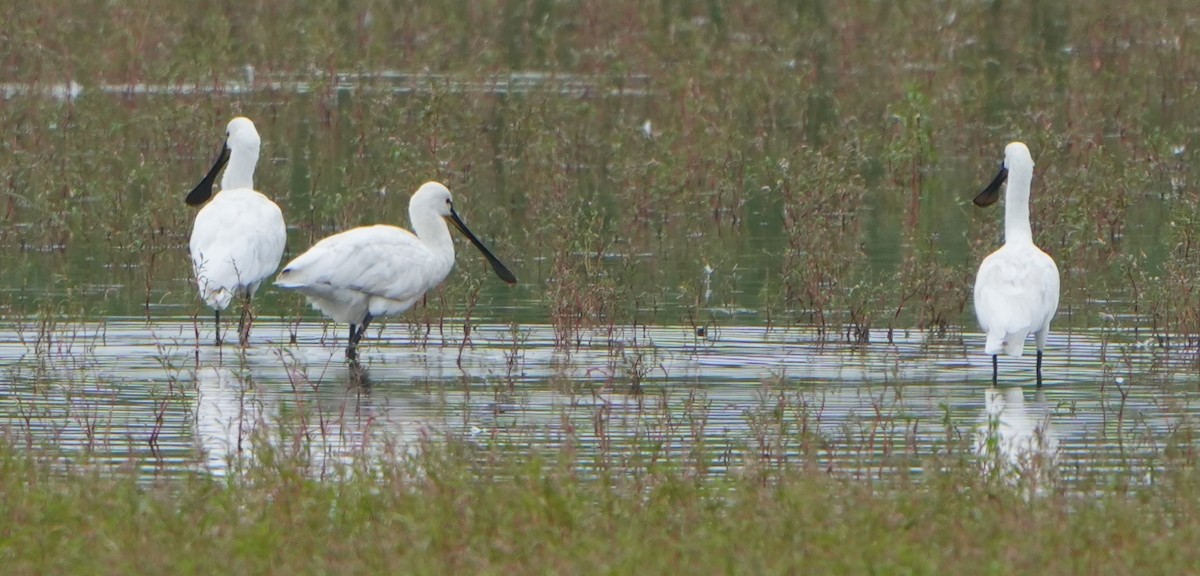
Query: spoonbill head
(372, 271)
(238, 155)
(238, 237)
(1017, 287)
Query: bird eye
(447, 201)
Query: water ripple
(160, 397)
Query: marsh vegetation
(742, 337)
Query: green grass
(457, 509)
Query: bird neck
(434, 233)
(1016, 206)
(239, 172)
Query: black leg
(356, 337)
(362, 330)
(217, 325)
(1039, 369)
(995, 368)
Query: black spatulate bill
(501, 270)
(204, 190)
(991, 194)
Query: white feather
(237, 242)
(1017, 287)
(238, 238)
(1016, 293)
(381, 270)
(377, 270)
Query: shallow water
(161, 397)
(655, 198)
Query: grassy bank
(457, 509)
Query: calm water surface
(161, 397)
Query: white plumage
(1016, 289)
(373, 271)
(357, 273)
(238, 237)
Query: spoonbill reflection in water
(1016, 439)
(238, 237)
(372, 271)
(1016, 289)
(228, 414)
(239, 412)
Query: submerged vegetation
(794, 176)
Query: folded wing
(375, 261)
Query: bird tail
(995, 343)
(1012, 344)
(217, 299)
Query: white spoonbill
(1016, 290)
(237, 240)
(371, 271)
